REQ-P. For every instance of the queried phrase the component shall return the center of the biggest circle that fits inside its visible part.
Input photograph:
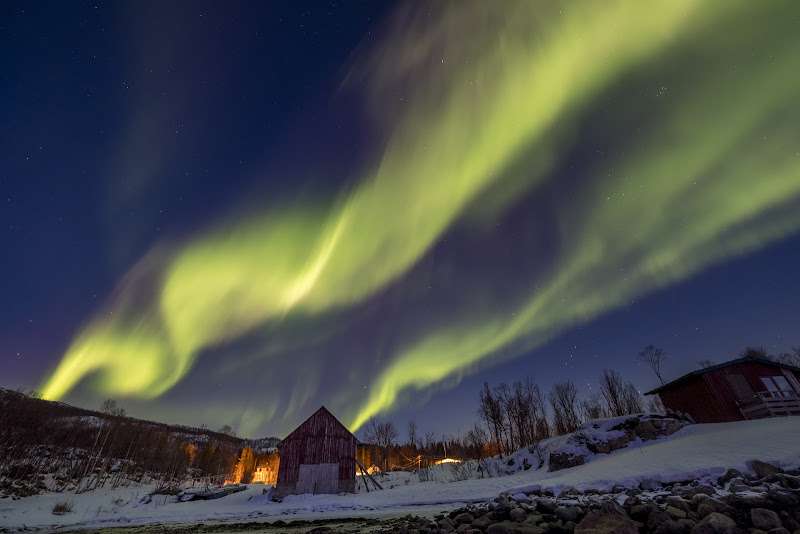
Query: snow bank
(695, 451)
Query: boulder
(675, 513)
(598, 522)
(669, 527)
(517, 515)
(715, 523)
(546, 506)
(764, 519)
(764, 469)
(464, 518)
(729, 475)
(650, 484)
(706, 490)
(709, 505)
(656, 518)
(509, 527)
(568, 513)
(563, 460)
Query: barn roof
(689, 376)
(322, 412)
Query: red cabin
(318, 457)
(747, 388)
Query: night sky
(234, 212)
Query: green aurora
(494, 99)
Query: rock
(669, 527)
(596, 522)
(710, 505)
(613, 507)
(729, 475)
(650, 484)
(563, 460)
(764, 519)
(702, 488)
(675, 513)
(546, 506)
(507, 527)
(764, 469)
(786, 481)
(501, 512)
(482, 522)
(655, 519)
(779, 531)
(640, 512)
(783, 499)
(463, 518)
(680, 504)
(738, 487)
(568, 513)
(715, 523)
(517, 515)
(747, 501)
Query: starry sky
(232, 213)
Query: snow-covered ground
(694, 452)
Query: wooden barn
(318, 457)
(747, 388)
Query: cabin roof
(322, 412)
(688, 376)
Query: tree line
(85, 450)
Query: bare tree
(592, 407)
(655, 405)
(490, 409)
(755, 352)
(612, 389)
(705, 364)
(563, 399)
(382, 434)
(412, 433)
(110, 407)
(653, 356)
(632, 399)
(792, 358)
(621, 397)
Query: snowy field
(694, 452)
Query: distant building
(267, 472)
(318, 457)
(747, 388)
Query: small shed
(746, 388)
(318, 457)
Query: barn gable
(317, 457)
(746, 388)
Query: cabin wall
(696, 399)
(711, 397)
(322, 439)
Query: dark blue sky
(133, 128)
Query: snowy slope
(695, 451)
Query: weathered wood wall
(322, 439)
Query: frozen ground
(695, 452)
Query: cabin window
(776, 384)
